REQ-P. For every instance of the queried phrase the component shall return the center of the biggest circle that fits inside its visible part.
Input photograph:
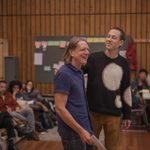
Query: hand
(126, 124)
(38, 103)
(9, 109)
(86, 137)
(14, 92)
(17, 109)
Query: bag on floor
(46, 120)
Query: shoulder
(8, 94)
(124, 60)
(63, 71)
(62, 81)
(63, 74)
(35, 91)
(96, 54)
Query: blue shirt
(69, 80)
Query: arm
(37, 95)
(12, 104)
(127, 103)
(25, 96)
(126, 97)
(88, 65)
(60, 105)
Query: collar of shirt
(74, 68)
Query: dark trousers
(75, 143)
(6, 122)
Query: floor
(129, 140)
(51, 135)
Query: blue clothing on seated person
(136, 92)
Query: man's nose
(87, 51)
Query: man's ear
(71, 53)
(121, 42)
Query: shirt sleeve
(12, 102)
(126, 93)
(62, 83)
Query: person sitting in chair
(10, 105)
(7, 123)
(137, 87)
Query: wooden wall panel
(22, 20)
(1, 18)
(3, 53)
(148, 57)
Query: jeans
(111, 126)
(26, 114)
(75, 143)
(6, 122)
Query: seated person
(139, 84)
(6, 122)
(10, 105)
(36, 102)
(33, 96)
(15, 88)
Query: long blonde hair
(73, 43)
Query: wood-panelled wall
(22, 20)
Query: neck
(76, 64)
(112, 53)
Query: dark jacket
(108, 87)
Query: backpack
(46, 120)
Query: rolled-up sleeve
(62, 83)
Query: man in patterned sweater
(108, 89)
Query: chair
(3, 138)
(3, 143)
(139, 116)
